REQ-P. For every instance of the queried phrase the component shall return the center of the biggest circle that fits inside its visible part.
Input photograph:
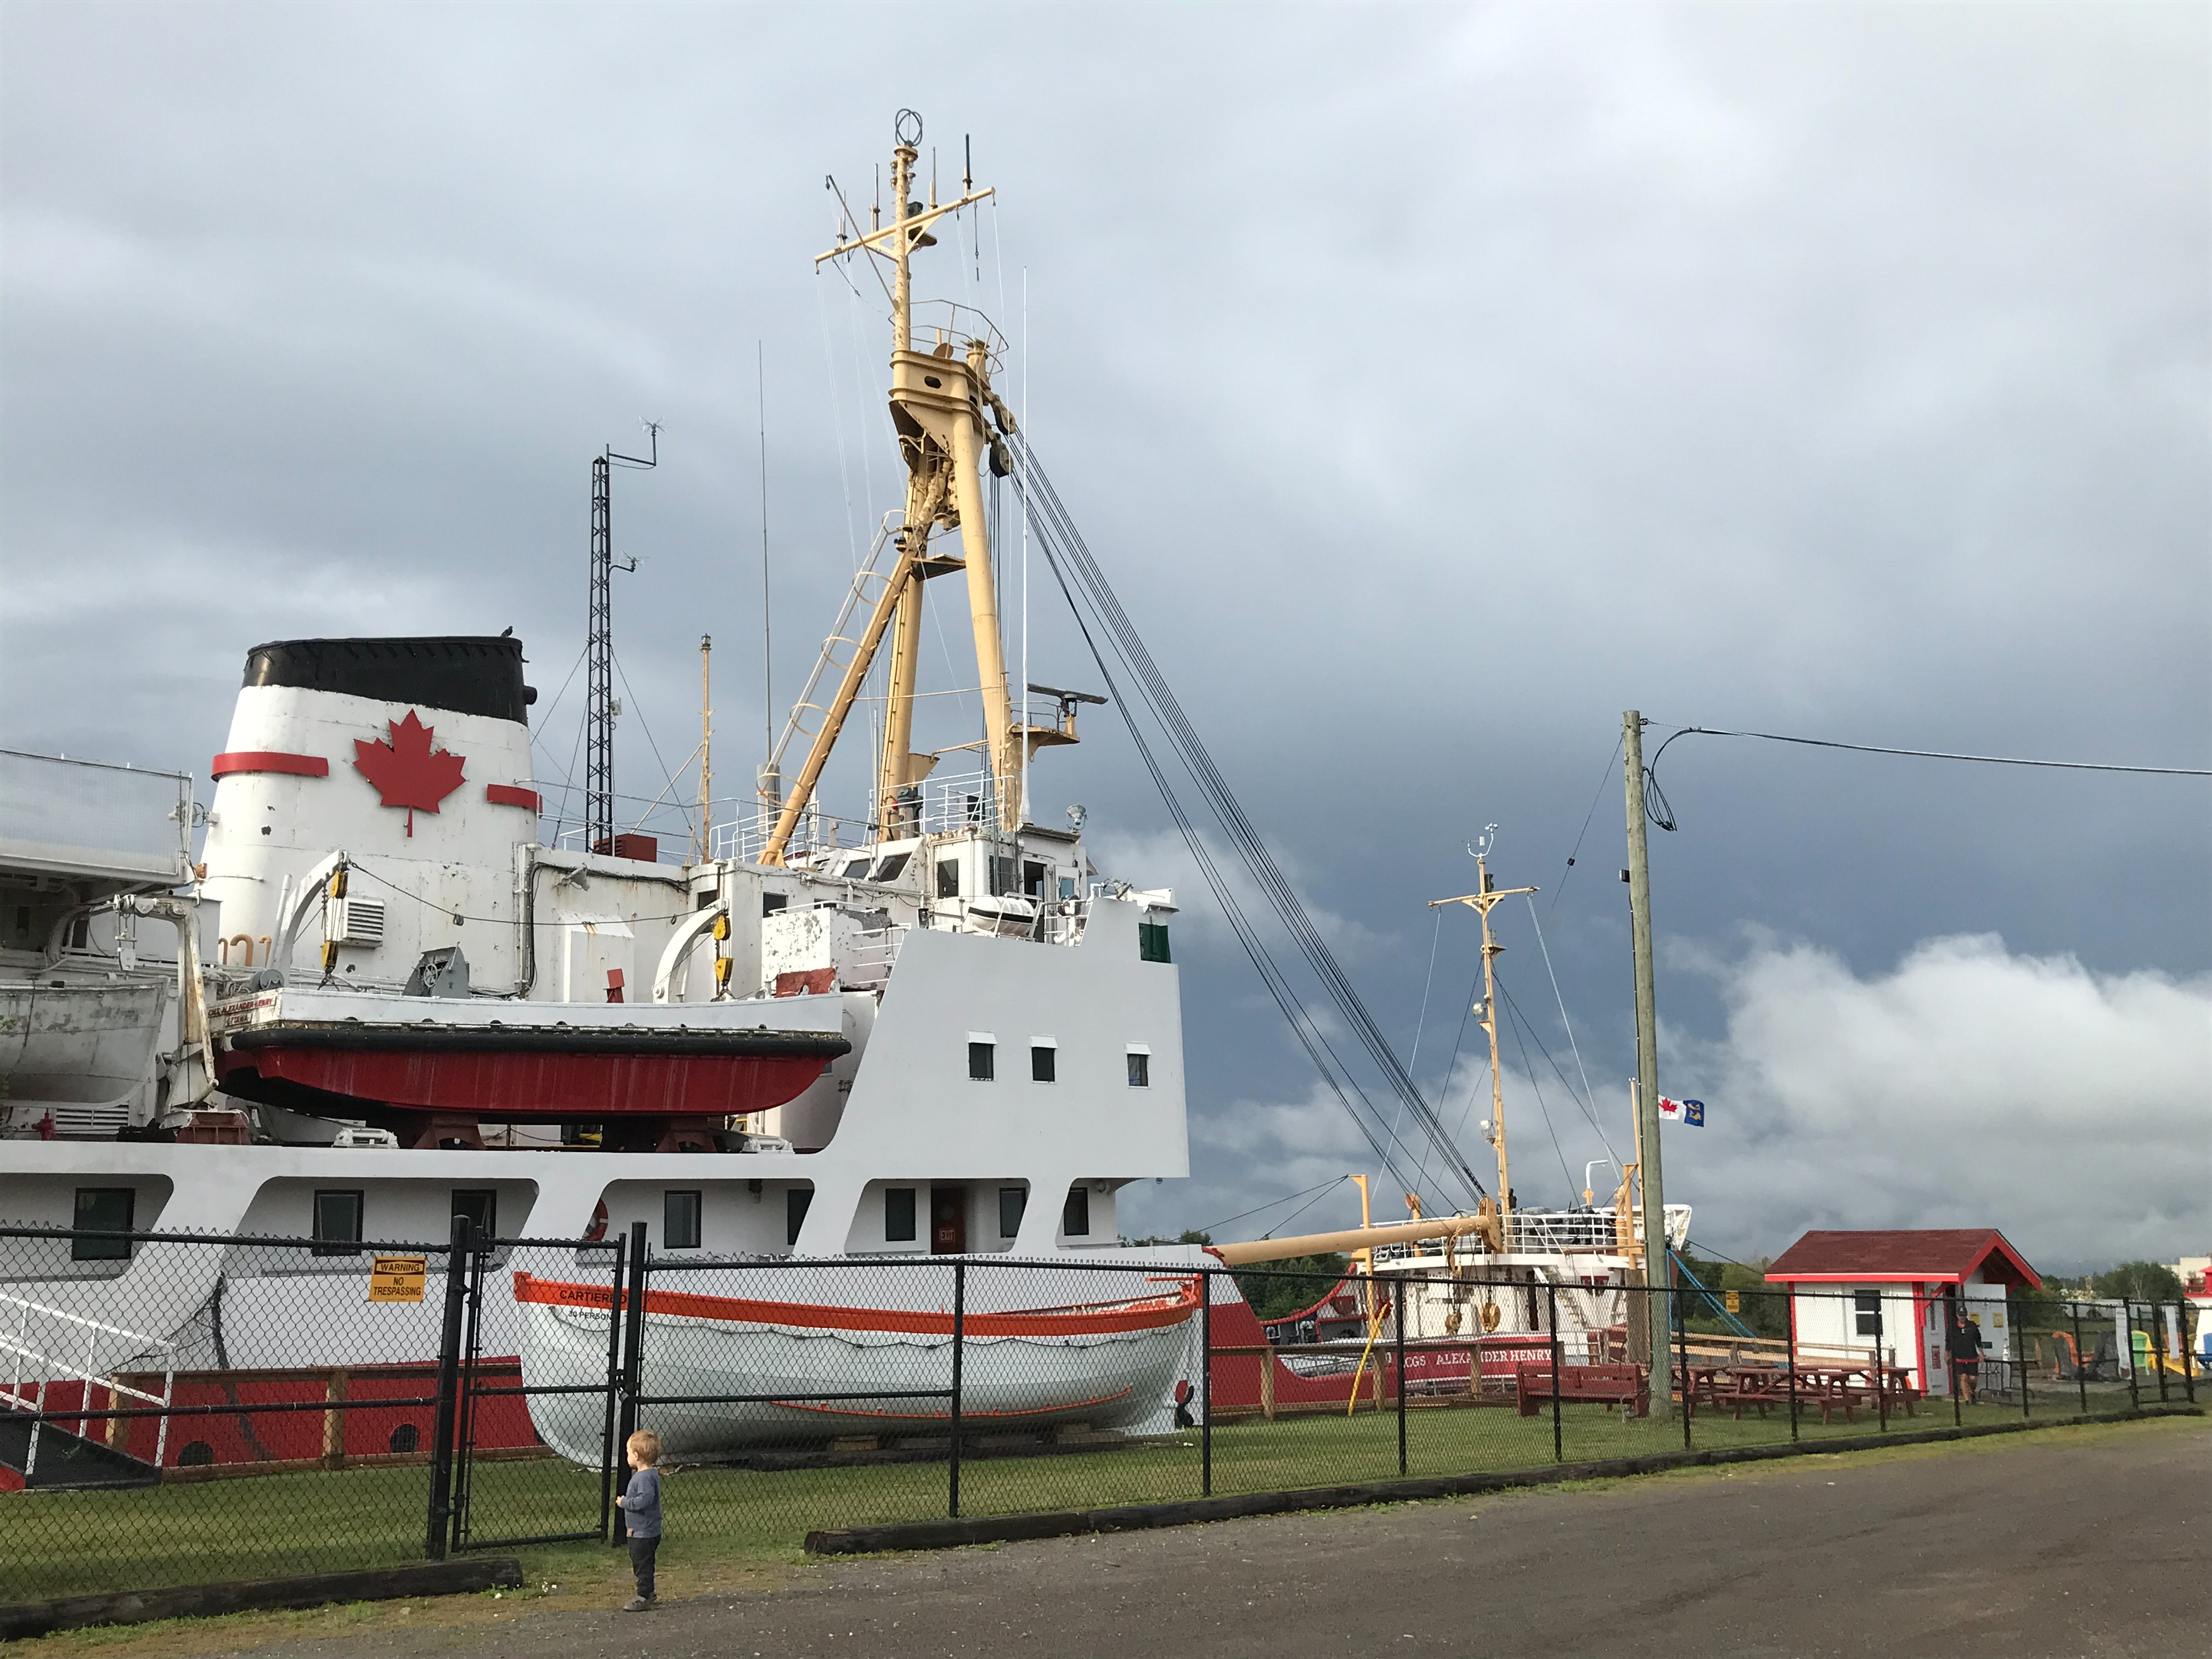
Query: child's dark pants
(641, 1563)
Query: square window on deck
(1044, 1064)
(948, 879)
(1140, 1071)
(772, 902)
(982, 1061)
(1067, 887)
(892, 868)
(679, 1218)
(1012, 1200)
(337, 1222)
(1075, 1214)
(102, 1210)
(898, 1215)
(1033, 876)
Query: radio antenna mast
(599, 689)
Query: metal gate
(490, 1486)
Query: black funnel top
(470, 676)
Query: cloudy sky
(1434, 383)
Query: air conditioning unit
(357, 921)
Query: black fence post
(1881, 1361)
(1552, 1309)
(2081, 1376)
(2020, 1341)
(440, 1519)
(2188, 1359)
(615, 1316)
(474, 1253)
(633, 1366)
(1398, 1318)
(959, 1337)
(1682, 1356)
(1205, 1385)
(2158, 1348)
(1789, 1349)
(2128, 1342)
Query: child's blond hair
(646, 1444)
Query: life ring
(598, 1230)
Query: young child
(641, 1508)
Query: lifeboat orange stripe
(1152, 1313)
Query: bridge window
(898, 1215)
(102, 1210)
(948, 879)
(337, 1222)
(1075, 1214)
(679, 1218)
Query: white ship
(931, 1027)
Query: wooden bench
(1604, 1385)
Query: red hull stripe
(270, 760)
(506, 794)
(1148, 1314)
(506, 1083)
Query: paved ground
(2065, 1543)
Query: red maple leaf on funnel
(407, 772)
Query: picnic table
(1827, 1388)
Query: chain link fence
(181, 1409)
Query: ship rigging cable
(1066, 554)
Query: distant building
(1853, 1292)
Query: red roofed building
(1853, 1292)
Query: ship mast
(941, 399)
(1480, 901)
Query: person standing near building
(1966, 1346)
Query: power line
(1935, 754)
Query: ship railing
(938, 322)
(31, 1371)
(1563, 1232)
(870, 956)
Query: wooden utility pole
(1656, 1268)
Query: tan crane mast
(1480, 902)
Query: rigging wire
(1064, 547)
(1587, 817)
(1564, 1082)
(1588, 1097)
(1536, 1089)
(643, 727)
(1334, 1180)
(1302, 1026)
(1300, 1210)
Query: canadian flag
(1692, 1112)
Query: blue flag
(1693, 1113)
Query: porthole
(195, 1455)
(406, 1437)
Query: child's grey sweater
(642, 1505)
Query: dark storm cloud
(1434, 383)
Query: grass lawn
(57, 1544)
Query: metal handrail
(50, 1365)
